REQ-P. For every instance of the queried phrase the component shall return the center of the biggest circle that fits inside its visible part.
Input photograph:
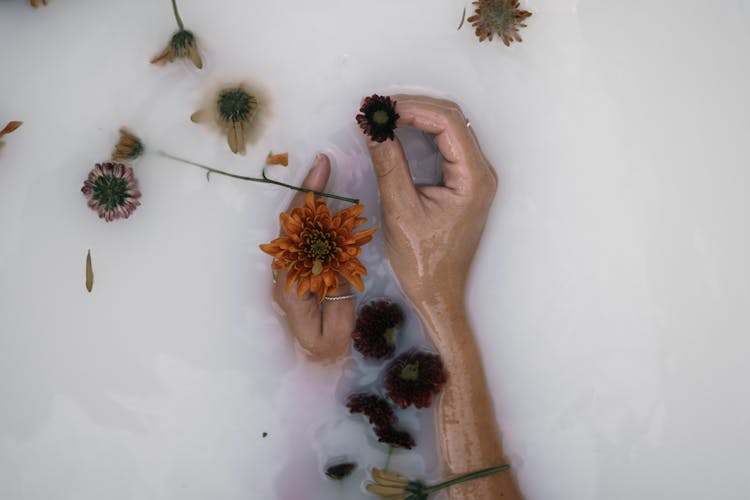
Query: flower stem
(177, 15)
(264, 179)
(466, 477)
(388, 458)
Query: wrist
(446, 323)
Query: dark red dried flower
(341, 470)
(378, 117)
(413, 377)
(394, 437)
(375, 408)
(377, 327)
(498, 17)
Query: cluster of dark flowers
(380, 414)
(412, 378)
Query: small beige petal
(163, 57)
(89, 272)
(386, 477)
(388, 492)
(199, 116)
(236, 138)
(196, 57)
(232, 139)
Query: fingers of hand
(315, 180)
(455, 140)
(397, 190)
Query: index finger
(454, 138)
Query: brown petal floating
(10, 127)
(129, 147)
(89, 272)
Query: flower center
(110, 191)
(319, 248)
(380, 117)
(390, 334)
(500, 17)
(236, 105)
(182, 41)
(410, 372)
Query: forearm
(467, 430)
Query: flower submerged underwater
(377, 329)
(112, 190)
(318, 246)
(498, 17)
(413, 378)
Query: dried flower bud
(129, 147)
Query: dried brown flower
(181, 45)
(129, 147)
(236, 111)
(498, 17)
(37, 3)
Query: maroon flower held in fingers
(378, 117)
(377, 329)
(375, 408)
(112, 190)
(413, 378)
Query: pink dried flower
(112, 190)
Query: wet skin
(431, 235)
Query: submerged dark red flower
(377, 328)
(340, 470)
(394, 437)
(378, 117)
(498, 17)
(413, 378)
(375, 408)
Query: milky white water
(610, 294)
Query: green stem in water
(177, 15)
(466, 477)
(388, 458)
(264, 179)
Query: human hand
(324, 329)
(432, 232)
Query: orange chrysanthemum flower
(319, 246)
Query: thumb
(315, 180)
(397, 190)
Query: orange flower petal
(278, 159)
(10, 127)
